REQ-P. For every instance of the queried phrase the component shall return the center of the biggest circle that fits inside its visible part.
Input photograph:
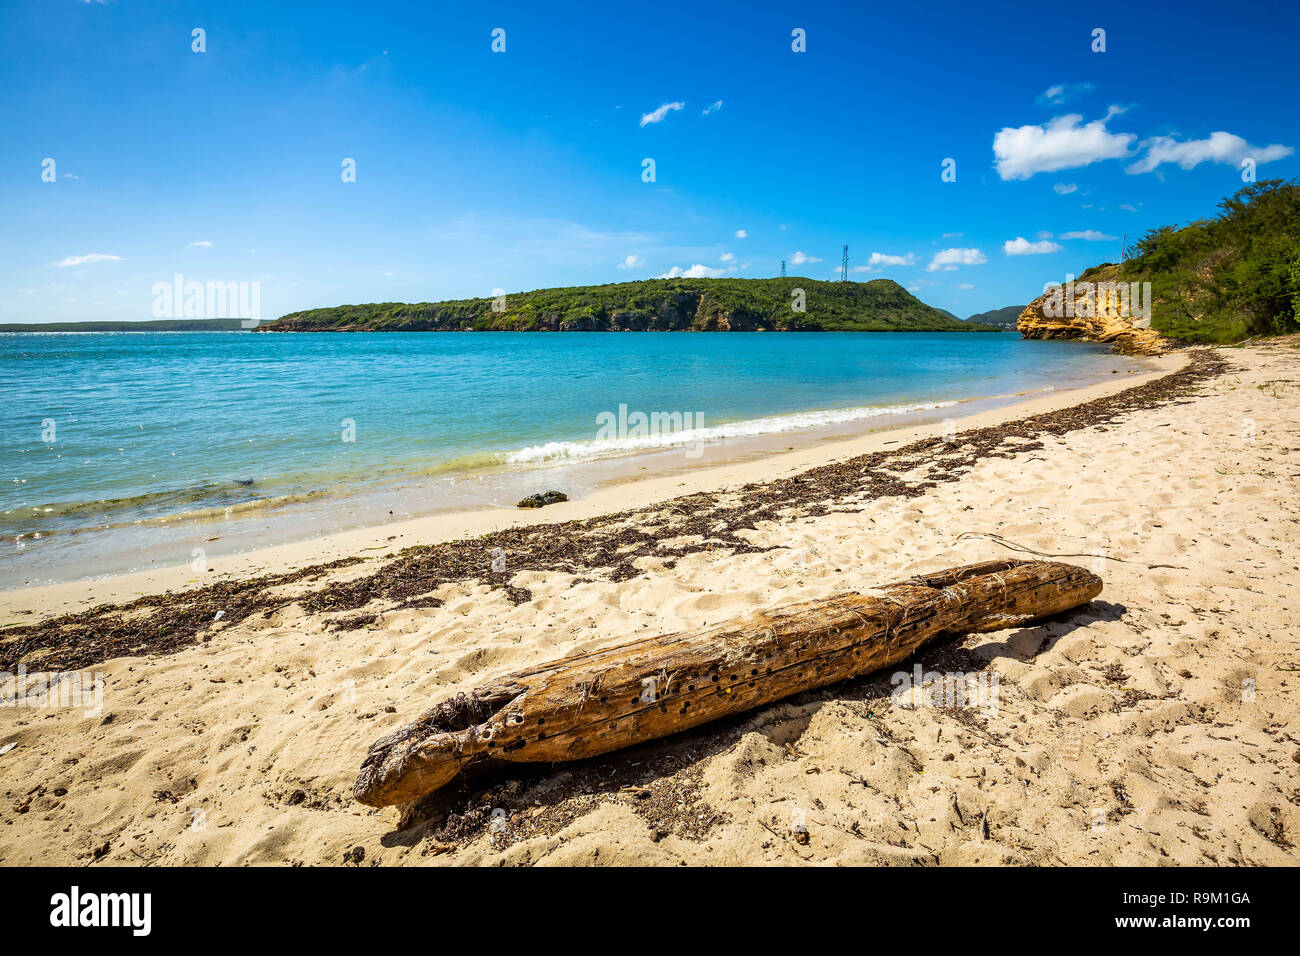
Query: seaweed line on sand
(606, 545)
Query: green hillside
(152, 325)
(1003, 318)
(1227, 278)
(703, 305)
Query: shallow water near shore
(134, 450)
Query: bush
(1224, 279)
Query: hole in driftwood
(461, 713)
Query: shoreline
(758, 461)
(233, 507)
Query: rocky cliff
(1097, 308)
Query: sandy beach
(1159, 725)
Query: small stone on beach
(543, 499)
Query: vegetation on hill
(154, 325)
(1003, 318)
(652, 304)
(1227, 278)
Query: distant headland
(786, 304)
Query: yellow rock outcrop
(1091, 311)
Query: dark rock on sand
(543, 499)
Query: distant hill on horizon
(700, 305)
(1003, 318)
(145, 325)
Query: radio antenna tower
(844, 266)
(782, 268)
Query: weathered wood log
(589, 704)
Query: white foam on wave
(555, 451)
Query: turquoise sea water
(124, 429)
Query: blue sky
(478, 171)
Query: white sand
(1160, 727)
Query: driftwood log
(589, 704)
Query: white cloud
(878, 259)
(1061, 92)
(949, 259)
(1091, 235)
(1021, 246)
(1064, 189)
(1219, 147)
(696, 271)
(93, 257)
(799, 259)
(965, 287)
(742, 234)
(201, 243)
(632, 262)
(1127, 208)
(658, 115)
(711, 109)
(1060, 144)
(728, 257)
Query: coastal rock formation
(1092, 310)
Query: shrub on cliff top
(1223, 279)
